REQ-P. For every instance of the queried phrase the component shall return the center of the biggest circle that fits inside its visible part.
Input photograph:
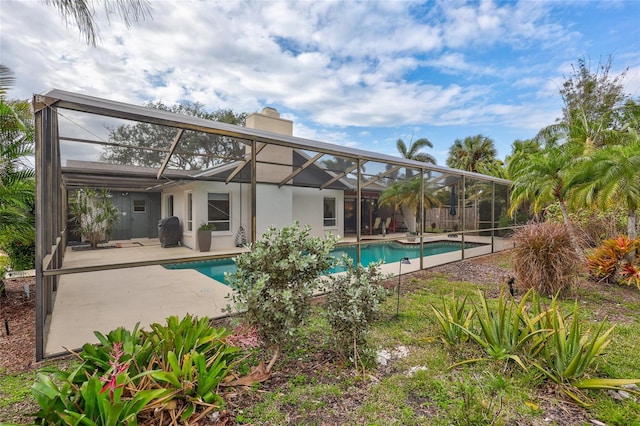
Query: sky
(354, 73)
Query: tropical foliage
(84, 14)
(616, 261)
(413, 151)
(405, 195)
(94, 214)
(472, 154)
(589, 158)
(528, 334)
(17, 177)
(171, 372)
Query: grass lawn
(416, 386)
(419, 387)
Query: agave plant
(570, 350)
(454, 319)
(505, 332)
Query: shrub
(275, 281)
(594, 226)
(543, 258)
(20, 250)
(354, 301)
(94, 213)
(171, 371)
(614, 261)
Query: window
(330, 212)
(189, 211)
(169, 205)
(218, 211)
(139, 206)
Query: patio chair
(376, 226)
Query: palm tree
(17, 179)
(84, 14)
(472, 154)
(406, 195)
(544, 179)
(611, 177)
(413, 151)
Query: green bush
(94, 214)
(21, 252)
(594, 226)
(275, 281)
(171, 372)
(354, 301)
(543, 258)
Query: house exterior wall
(308, 205)
(240, 213)
(274, 207)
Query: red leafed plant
(630, 274)
(607, 259)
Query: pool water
(389, 252)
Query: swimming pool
(389, 252)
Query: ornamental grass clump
(544, 258)
(274, 282)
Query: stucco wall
(308, 204)
(275, 206)
(239, 204)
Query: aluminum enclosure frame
(51, 192)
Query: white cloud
(337, 64)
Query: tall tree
(592, 103)
(472, 154)
(544, 179)
(611, 177)
(596, 115)
(211, 149)
(83, 12)
(413, 151)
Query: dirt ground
(17, 313)
(17, 348)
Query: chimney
(269, 120)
